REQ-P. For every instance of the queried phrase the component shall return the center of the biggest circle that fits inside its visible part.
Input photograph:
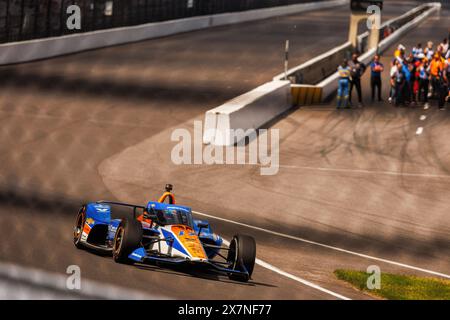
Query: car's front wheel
(128, 238)
(241, 257)
(79, 225)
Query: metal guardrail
(33, 19)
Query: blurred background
(31, 19)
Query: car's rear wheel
(128, 238)
(78, 229)
(242, 256)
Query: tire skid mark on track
(362, 255)
(363, 171)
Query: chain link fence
(32, 19)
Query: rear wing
(123, 204)
(145, 213)
(166, 195)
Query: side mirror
(201, 226)
(150, 214)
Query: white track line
(295, 278)
(303, 281)
(419, 131)
(403, 265)
(389, 173)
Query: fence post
(48, 18)
(22, 20)
(7, 20)
(36, 15)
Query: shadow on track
(49, 206)
(201, 273)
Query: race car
(162, 232)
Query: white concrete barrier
(25, 51)
(312, 63)
(384, 44)
(248, 111)
(393, 21)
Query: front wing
(139, 255)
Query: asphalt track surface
(96, 125)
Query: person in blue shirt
(405, 69)
(376, 68)
(344, 85)
(406, 99)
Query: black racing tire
(242, 256)
(128, 238)
(78, 229)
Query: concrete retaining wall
(314, 70)
(50, 47)
(248, 111)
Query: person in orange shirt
(436, 68)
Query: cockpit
(172, 216)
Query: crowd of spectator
(421, 75)
(416, 77)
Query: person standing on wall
(376, 68)
(357, 69)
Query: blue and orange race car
(162, 233)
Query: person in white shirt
(392, 73)
(429, 52)
(417, 50)
(444, 46)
